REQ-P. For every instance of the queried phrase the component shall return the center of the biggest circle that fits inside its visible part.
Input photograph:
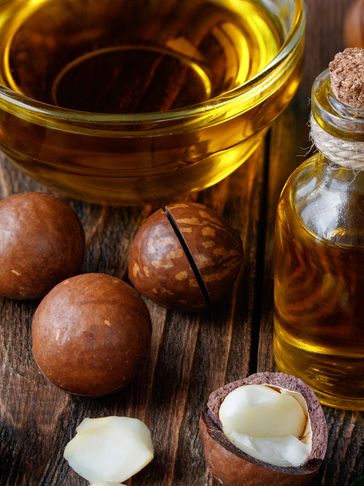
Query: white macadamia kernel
(269, 423)
(107, 483)
(109, 450)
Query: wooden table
(191, 355)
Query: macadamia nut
(107, 483)
(41, 244)
(268, 423)
(90, 334)
(109, 450)
(266, 429)
(185, 256)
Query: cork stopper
(347, 84)
(347, 77)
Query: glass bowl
(143, 100)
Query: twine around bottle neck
(347, 153)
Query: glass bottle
(319, 261)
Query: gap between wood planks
(260, 259)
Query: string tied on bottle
(347, 153)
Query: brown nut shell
(90, 333)
(41, 243)
(354, 25)
(185, 256)
(158, 266)
(234, 467)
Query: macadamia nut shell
(41, 244)
(235, 468)
(185, 256)
(90, 333)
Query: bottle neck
(339, 177)
(336, 129)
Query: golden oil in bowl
(142, 100)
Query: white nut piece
(107, 483)
(269, 423)
(109, 449)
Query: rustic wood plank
(191, 355)
(224, 348)
(289, 146)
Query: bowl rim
(142, 121)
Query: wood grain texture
(289, 146)
(191, 355)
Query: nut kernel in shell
(110, 449)
(270, 424)
(232, 466)
(187, 252)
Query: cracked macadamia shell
(90, 333)
(236, 468)
(41, 244)
(160, 257)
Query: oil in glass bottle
(319, 262)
